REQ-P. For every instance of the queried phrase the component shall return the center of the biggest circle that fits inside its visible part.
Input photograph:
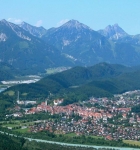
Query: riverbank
(73, 145)
(81, 145)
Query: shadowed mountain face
(117, 34)
(113, 32)
(79, 42)
(8, 72)
(24, 51)
(36, 31)
(33, 49)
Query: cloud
(38, 23)
(14, 20)
(61, 22)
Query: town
(112, 119)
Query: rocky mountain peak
(75, 24)
(23, 23)
(14, 29)
(35, 31)
(3, 20)
(113, 32)
(115, 28)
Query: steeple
(18, 97)
(46, 102)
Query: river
(76, 145)
(79, 145)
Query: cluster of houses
(109, 118)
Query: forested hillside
(8, 72)
(17, 143)
(80, 83)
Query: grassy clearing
(10, 93)
(55, 70)
(74, 134)
(132, 142)
(10, 125)
(71, 134)
(22, 130)
(97, 137)
(24, 94)
(27, 124)
(73, 87)
(23, 45)
(17, 124)
(51, 70)
(2, 86)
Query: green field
(2, 86)
(97, 137)
(10, 125)
(16, 125)
(24, 94)
(10, 93)
(71, 134)
(74, 134)
(132, 142)
(55, 70)
(22, 130)
(23, 45)
(51, 71)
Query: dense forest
(11, 143)
(79, 83)
(8, 72)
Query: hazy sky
(97, 14)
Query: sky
(96, 14)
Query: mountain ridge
(35, 31)
(27, 52)
(71, 44)
(90, 47)
(113, 32)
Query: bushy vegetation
(11, 143)
(17, 143)
(136, 109)
(87, 140)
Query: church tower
(18, 98)
(46, 102)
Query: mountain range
(35, 31)
(34, 49)
(26, 52)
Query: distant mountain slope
(26, 52)
(131, 39)
(34, 49)
(122, 83)
(82, 75)
(8, 72)
(117, 34)
(35, 31)
(79, 42)
(80, 83)
(113, 32)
